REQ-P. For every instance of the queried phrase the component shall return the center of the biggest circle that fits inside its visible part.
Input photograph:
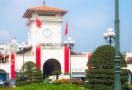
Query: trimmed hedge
(101, 75)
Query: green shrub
(31, 74)
(130, 88)
(2, 88)
(56, 72)
(101, 75)
(45, 86)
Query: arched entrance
(49, 66)
(3, 75)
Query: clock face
(47, 33)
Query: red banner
(66, 59)
(89, 56)
(12, 65)
(38, 56)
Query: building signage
(51, 44)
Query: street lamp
(117, 68)
(109, 35)
(23, 51)
(70, 43)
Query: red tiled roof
(74, 53)
(45, 9)
(24, 50)
(129, 60)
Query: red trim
(89, 56)
(66, 59)
(38, 56)
(12, 65)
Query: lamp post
(117, 80)
(23, 51)
(70, 43)
(109, 35)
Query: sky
(88, 20)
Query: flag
(38, 23)
(66, 30)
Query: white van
(1, 82)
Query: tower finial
(44, 2)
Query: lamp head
(105, 35)
(69, 39)
(110, 30)
(72, 43)
(65, 43)
(110, 34)
(113, 35)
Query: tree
(31, 72)
(101, 75)
(56, 73)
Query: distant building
(128, 58)
(44, 46)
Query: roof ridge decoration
(44, 2)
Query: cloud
(5, 35)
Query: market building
(44, 46)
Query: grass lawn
(130, 87)
(45, 86)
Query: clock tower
(50, 31)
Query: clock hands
(46, 31)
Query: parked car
(48, 80)
(10, 82)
